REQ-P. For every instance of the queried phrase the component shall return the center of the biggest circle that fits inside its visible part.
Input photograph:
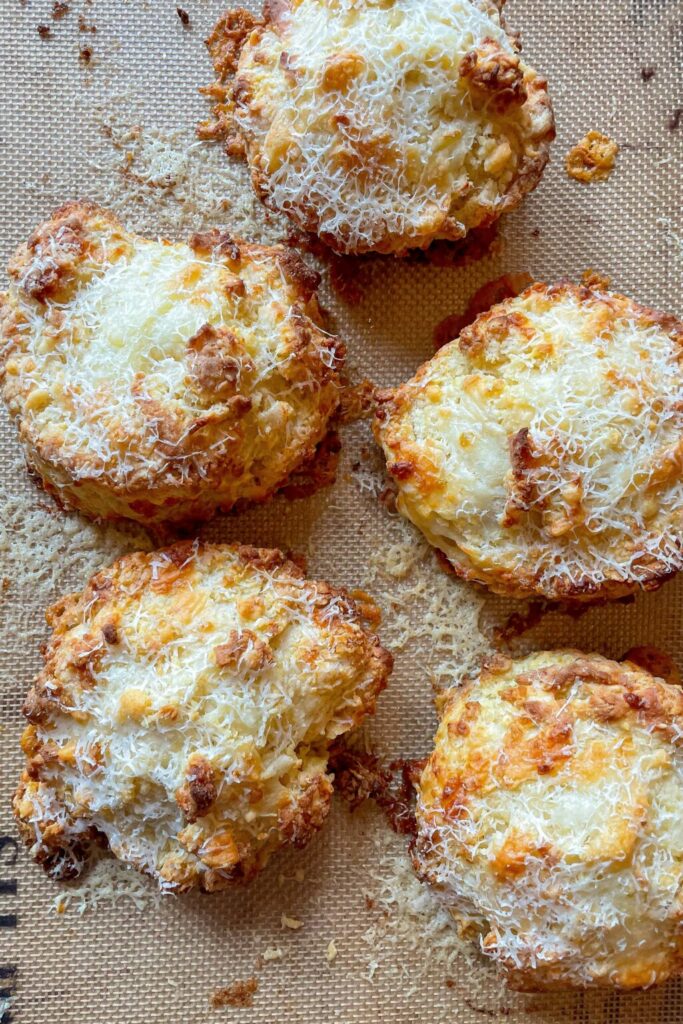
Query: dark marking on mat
(8, 977)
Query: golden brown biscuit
(162, 381)
(381, 126)
(549, 820)
(185, 711)
(542, 450)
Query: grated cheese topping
(542, 451)
(548, 819)
(385, 125)
(156, 380)
(185, 712)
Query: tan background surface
(64, 132)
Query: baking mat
(109, 115)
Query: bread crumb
(271, 953)
(291, 922)
(331, 952)
(184, 17)
(593, 158)
(239, 993)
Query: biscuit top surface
(384, 125)
(549, 816)
(217, 663)
(544, 445)
(148, 363)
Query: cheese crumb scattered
(291, 922)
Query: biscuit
(549, 820)
(185, 710)
(380, 126)
(542, 450)
(161, 381)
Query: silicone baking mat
(101, 102)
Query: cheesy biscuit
(542, 450)
(549, 820)
(380, 125)
(163, 381)
(185, 710)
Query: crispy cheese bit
(593, 158)
(293, 923)
(239, 994)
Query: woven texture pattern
(615, 66)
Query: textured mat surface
(110, 115)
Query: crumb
(239, 993)
(59, 9)
(594, 279)
(357, 402)
(647, 73)
(519, 623)
(360, 776)
(349, 277)
(271, 953)
(331, 951)
(293, 923)
(478, 243)
(505, 287)
(184, 17)
(43, 31)
(593, 158)
(387, 498)
(535, 232)
(85, 54)
(83, 25)
(675, 119)
(654, 661)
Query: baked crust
(549, 820)
(161, 381)
(542, 450)
(185, 711)
(380, 127)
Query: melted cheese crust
(185, 711)
(549, 818)
(542, 450)
(382, 125)
(162, 381)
